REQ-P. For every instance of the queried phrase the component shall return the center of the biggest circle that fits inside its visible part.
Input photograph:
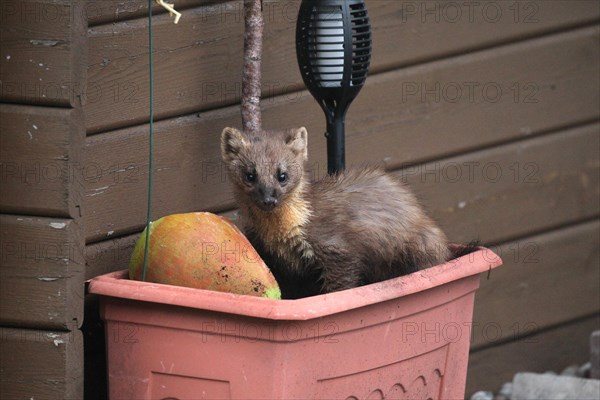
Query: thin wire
(151, 84)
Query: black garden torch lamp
(333, 45)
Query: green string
(151, 79)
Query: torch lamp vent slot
(337, 41)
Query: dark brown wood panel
(552, 350)
(41, 272)
(41, 169)
(108, 256)
(109, 11)
(42, 52)
(395, 127)
(544, 281)
(530, 185)
(479, 99)
(186, 175)
(417, 12)
(41, 364)
(416, 31)
(197, 63)
(513, 190)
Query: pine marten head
(265, 167)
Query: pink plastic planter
(406, 338)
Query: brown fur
(355, 228)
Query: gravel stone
(529, 386)
(571, 370)
(506, 390)
(483, 395)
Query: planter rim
(118, 285)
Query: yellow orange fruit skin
(204, 251)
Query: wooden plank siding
(513, 190)
(39, 364)
(43, 64)
(198, 62)
(101, 12)
(41, 272)
(528, 184)
(514, 300)
(43, 44)
(558, 80)
(41, 165)
(418, 11)
(108, 255)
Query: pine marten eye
(250, 177)
(282, 177)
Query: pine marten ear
(232, 143)
(297, 141)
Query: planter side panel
(418, 355)
(414, 346)
(156, 362)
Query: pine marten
(347, 230)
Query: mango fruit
(205, 251)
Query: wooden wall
(42, 132)
(489, 110)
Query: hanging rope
(151, 85)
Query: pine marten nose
(268, 197)
(270, 201)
